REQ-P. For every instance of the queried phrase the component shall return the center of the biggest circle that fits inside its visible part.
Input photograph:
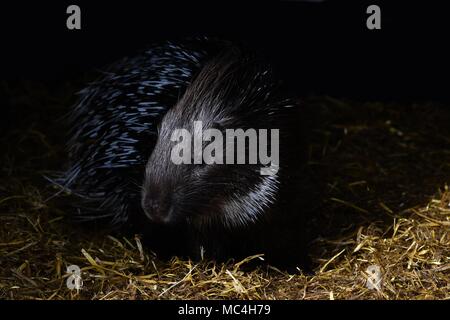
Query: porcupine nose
(152, 209)
(155, 211)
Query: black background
(319, 48)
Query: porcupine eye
(213, 155)
(209, 152)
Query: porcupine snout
(157, 207)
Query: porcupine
(120, 148)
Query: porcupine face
(230, 92)
(204, 194)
